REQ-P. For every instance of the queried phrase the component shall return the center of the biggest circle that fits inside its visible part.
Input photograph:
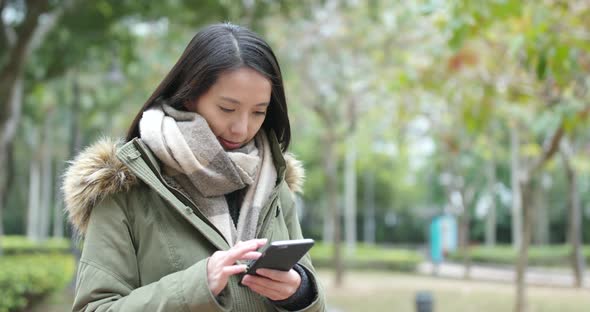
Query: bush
(554, 255)
(15, 245)
(26, 279)
(368, 257)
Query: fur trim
(295, 173)
(94, 174)
(97, 173)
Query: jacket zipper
(177, 193)
(272, 199)
(270, 212)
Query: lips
(229, 145)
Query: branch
(566, 152)
(548, 150)
(583, 114)
(13, 109)
(30, 34)
(553, 146)
(17, 56)
(7, 34)
(46, 23)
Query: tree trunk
(58, 215)
(465, 244)
(369, 200)
(490, 234)
(328, 226)
(46, 178)
(525, 185)
(33, 213)
(521, 304)
(350, 193)
(75, 133)
(467, 197)
(330, 162)
(516, 192)
(575, 218)
(31, 34)
(541, 233)
(9, 123)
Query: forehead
(245, 83)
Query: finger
(252, 255)
(259, 241)
(276, 275)
(238, 250)
(270, 290)
(234, 269)
(262, 281)
(269, 293)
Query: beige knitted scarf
(194, 160)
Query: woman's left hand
(273, 284)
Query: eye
(227, 110)
(260, 113)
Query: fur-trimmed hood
(97, 172)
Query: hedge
(13, 245)
(368, 257)
(27, 279)
(554, 255)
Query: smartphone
(280, 255)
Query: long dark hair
(213, 50)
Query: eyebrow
(234, 101)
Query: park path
(554, 277)
(548, 277)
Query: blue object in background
(443, 237)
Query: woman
(200, 184)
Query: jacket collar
(137, 157)
(98, 172)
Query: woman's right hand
(222, 264)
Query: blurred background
(446, 143)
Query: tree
(533, 34)
(19, 38)
(43, 40)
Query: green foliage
(15, 245)
(368, 257)
(470, 18)
(25, 280)
(554, 255)
(471, 69)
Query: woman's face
(235, 106)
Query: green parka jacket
(146, 245)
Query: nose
(239, 126)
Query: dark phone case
(281, 255)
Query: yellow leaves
(463, 58)
(530, 150)
(522, 23)
(581, 164)
(440, 19)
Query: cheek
(216, 123)
(217, 127)
(256, 125)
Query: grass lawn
(369, 291)
(387, 291)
